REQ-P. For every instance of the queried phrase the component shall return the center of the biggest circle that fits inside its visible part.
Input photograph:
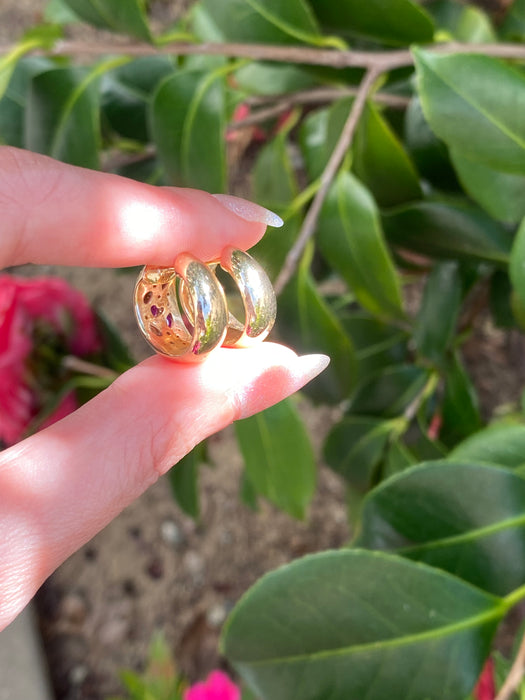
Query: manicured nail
(307, 367)
(249, 211)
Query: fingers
(61, 486)
(61, 214)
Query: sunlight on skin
(60, 487)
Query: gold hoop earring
(258, 297)
(185, 326)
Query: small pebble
(171, 533)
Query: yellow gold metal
(182, 325)
(258, 298)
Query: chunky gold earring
(181, 310)
(257, 295)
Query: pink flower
(34, 312)
(216, 687)
(485, 689)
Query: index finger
(51, 212)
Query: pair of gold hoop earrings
(182, 310)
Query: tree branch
(282, 103)
(327, 177)
(380, 60)
(515, 676)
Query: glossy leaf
(306, 322)
(466, 518)
(275, 186)
(381, 163)
(486, 97)
(278, 457)
(125, 94)
(467, 24)
(127, 17)
(358, 624)
(397, 459)
(502, 195)
(460, 409)
(188, 123)
(273, 78)
(448, 229)
(262, 21)
(351, 240)
(438, 313)
(13, 103)
(355, 446)
(428, 153)
(389, 392)
(502, 445)
(377, 344)
(517, 263)
(319, 134)
(61, 116)
(398, 22)
(184, 480)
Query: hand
(61, 486)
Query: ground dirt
(154, 568)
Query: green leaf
(517, 263)
(351, 240)
(273, 78)
(513, 26)
(438, 313)
(62, 117)
(262, 21)
(57, 11)
(466, 518)
(355, 446)
(487, 99)
(9, 61)
(429, 153)
(381, 163)
(502, 195)
(13, 103)
(466, 24)
(397, 459)
(397, 22)
(188, 125)
(274, 186)
(278, 457)
(127, 17)
(115, 354)
(500, 300)
(126, 92)
(460, 409)
(357, 624)
(389, 391)
(449, 229)
(503, 445)
(319, 134)
(306, 321)
(377, 345)
(184, 480)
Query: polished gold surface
(185, 326)
(258, 297)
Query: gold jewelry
(258, 297)
(183, 324)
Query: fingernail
(276, 383)
(249, 211)
(308, 367)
